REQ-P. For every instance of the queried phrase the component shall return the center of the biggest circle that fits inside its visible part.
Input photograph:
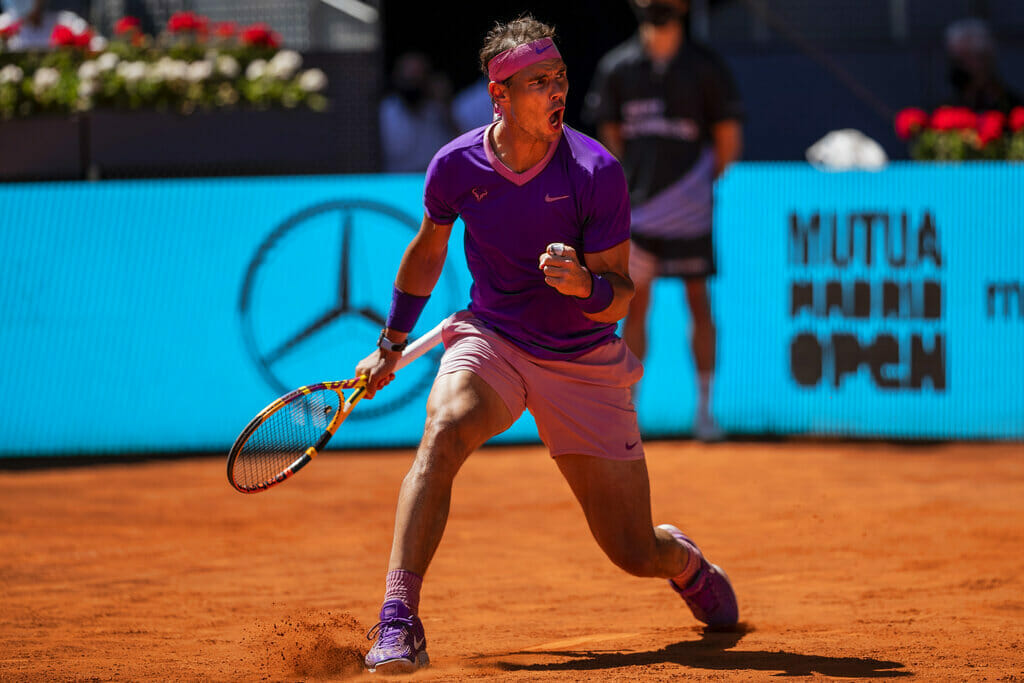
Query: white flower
(77, 24)
(284, 64)
(177, 70)
(11, 73)
(133, 72)
(227, 66)
(98, 44)
(313, 80)
(256, 69)
(45, 79)
(88, 71)
(197, 72)
(86, 89)
(107, 61)
(6, 20)
(154, 71)
(167, 69)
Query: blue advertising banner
(159, 316)
(162, 315)
(872, 304)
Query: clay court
(856, 561)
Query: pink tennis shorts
(581, 406)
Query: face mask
(958, 76)
(412, 95)
(658, 14)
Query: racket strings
(284, 436)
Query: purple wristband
(601, 295)
(405, 310)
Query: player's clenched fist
(563, 271)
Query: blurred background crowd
(401, 78)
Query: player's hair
(503, 36)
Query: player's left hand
(563, 270)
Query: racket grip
(421, 345)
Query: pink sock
(682, 579)
(404, 586)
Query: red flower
(910, 121)
(10, 30)
(990, 126)
(954, 118)
(84, 39)
(187, 22)
(1017, 119)
(259, 35)
(63, 36)
(225, 29)
(126, 25)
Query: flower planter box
(44, 148)
(231, 142)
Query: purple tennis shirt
(576, 195)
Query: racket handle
(421, 345)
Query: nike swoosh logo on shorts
(548, 198)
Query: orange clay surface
(854, 561)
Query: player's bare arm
(569, 276)
(418, 273)
(728, 137)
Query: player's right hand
(379, 369)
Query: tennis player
(546, 213)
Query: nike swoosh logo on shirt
(630, 446)
(548, 198)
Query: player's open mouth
(555, 119)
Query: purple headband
(519, 57)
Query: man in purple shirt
(546, 212)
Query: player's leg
(615, 497)
(476, 395)
(463, 411)
(584, 407)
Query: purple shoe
(709, 595)
(401, 645)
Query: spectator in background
(414, 119)
(670, 111)
(472, 106)
(971, 53)
(39, 17)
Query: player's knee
(444, 445)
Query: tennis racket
(288, 433)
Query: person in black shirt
(975, 80)
(670, 111)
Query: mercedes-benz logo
(316, 293)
